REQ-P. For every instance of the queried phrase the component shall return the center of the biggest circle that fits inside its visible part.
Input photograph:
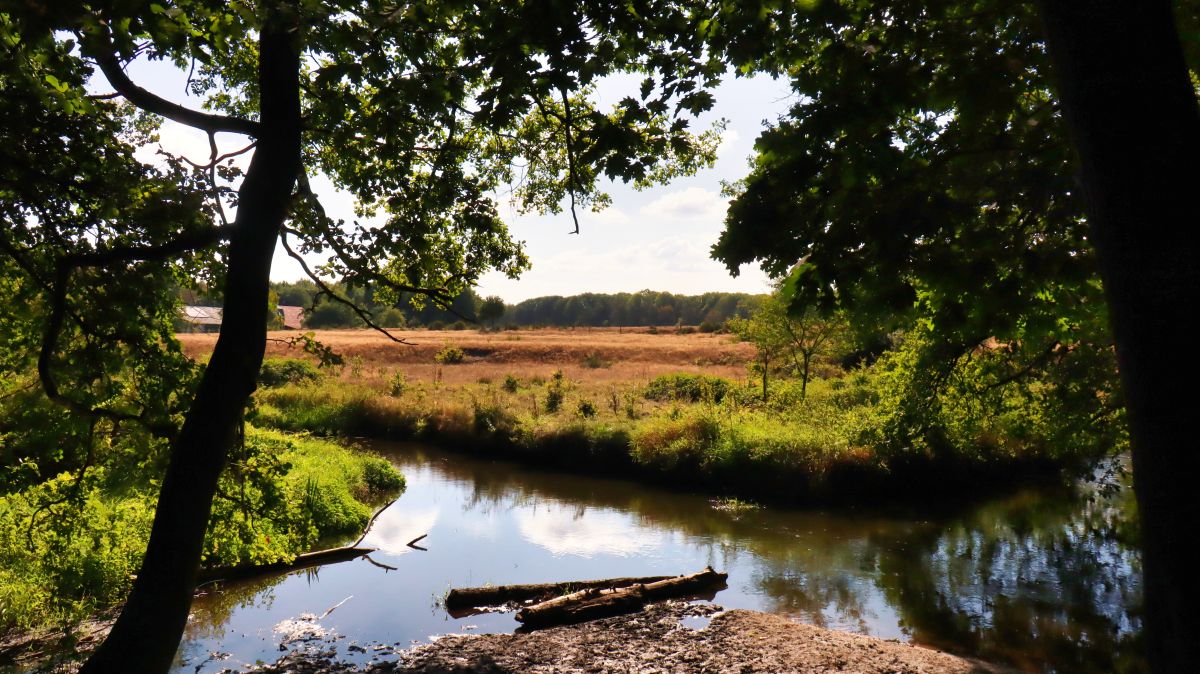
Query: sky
(656, 238)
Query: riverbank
(65, 560)
(665, 638)
(681, 430)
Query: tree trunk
(1135, 123)
(470, 597)
(146, 636)
(804, 376)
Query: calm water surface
(1040, 580)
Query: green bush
(280, 371)
(511, 384)
(397, 385)
(449, 355)
(554, 399)
(587, 409)
(687, 387)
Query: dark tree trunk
(146, 636)
(1135, 123)
(804, 375)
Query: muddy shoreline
(670, 638)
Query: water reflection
(1043, 580)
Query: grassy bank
(69, 546)
(835, 445)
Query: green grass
(69, 548)
(832, 445)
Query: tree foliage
(422, 113)
(924, 180)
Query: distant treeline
(628, 309)
(644, 308)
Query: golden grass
(630, 355)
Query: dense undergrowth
(70, 545)
(869, 434)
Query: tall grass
(831, 445)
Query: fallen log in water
(303, 561)
(470, 597)
(593, 603)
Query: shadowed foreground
(661, 639)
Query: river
(1042, 579)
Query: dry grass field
(594, 355)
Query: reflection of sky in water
(586, 534)
(947, 584)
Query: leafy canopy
(924, 181)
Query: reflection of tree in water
(1046, 581)
(1041, 582)
(211, 611)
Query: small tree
(491, 309)
(765, 331)
(778, 331)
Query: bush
(587, 409)
(280, 371)
(554, 399)
(595, 361)
(397, 385)
(390, 318)
(450, 355)
(672, 444)
(511, 384)
(689, 387)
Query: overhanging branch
(362, 314)
(110, 65)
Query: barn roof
(292, 317)
(202, 315)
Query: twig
(385, 567)
(331, 608)
(371, 522)
(413, 543)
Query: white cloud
(730, 146)
(392, 531)
(594, 532)
(691, 203)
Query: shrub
(458, 325)
(397, 385)
(587, 409)
(511, 384)
(449, 355)
(554, 399)
(595, 361)
(689, 387)
(280, 371)
(669, 444)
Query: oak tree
(1012, 175)
(422, 112)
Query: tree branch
(110, 65)
(183, 243)
(363, 314)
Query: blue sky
(657, 238)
